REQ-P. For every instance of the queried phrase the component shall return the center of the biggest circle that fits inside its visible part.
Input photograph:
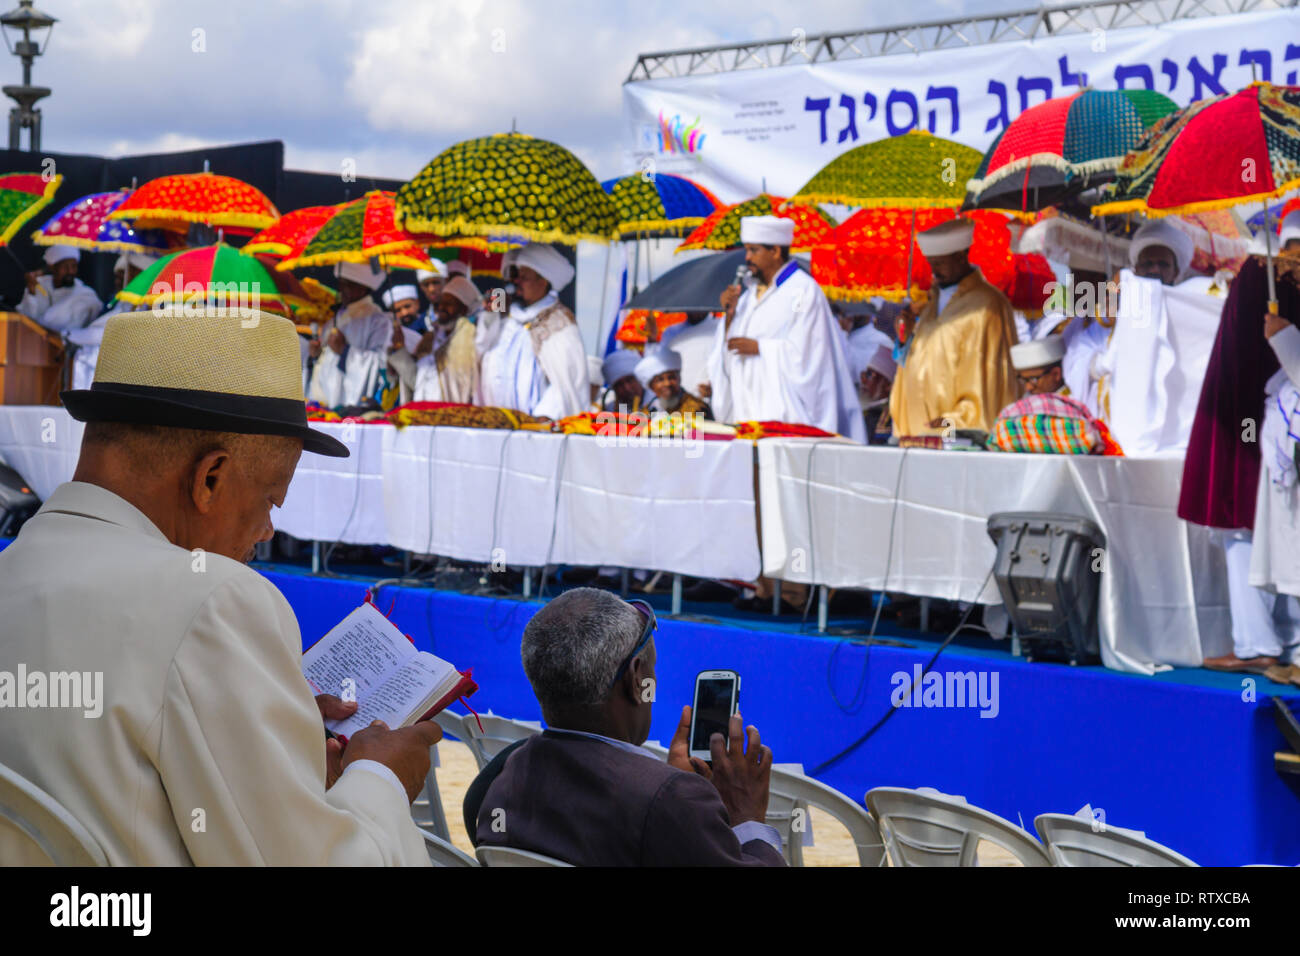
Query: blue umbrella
(85, 224)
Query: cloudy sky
(391, 83)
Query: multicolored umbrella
(867, 256)
(1234, 148)
(916, 170)
(1068, 143)
(218, 201)
(289, 234)
(507, 186)
(658, 206)
(23, 195)
(359, 231)
(721, 230)
(215, 274)
(85, 224)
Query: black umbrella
(693, 286)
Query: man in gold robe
(956, 366)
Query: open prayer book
(367, 659)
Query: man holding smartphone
(585, 791)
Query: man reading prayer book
(209, 748)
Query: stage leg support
(315, 557)
(823, 607)
(677, 594)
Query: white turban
(656, 363)
(56, 254)
(439, 272)
(361, 273)
(547, 262)
(595, 370)
(464, 290)
(955, 235)
(1037, 353)
(458, 268)
(1290, 227)
(766, 230)
(1159, 232)
(619, 364)
(400, 293)
(882, 360)
(137, 260)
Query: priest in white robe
(58, 300)
(536, 362)
(444, 367)
(779, 354)
(354, 349)
(430, 282)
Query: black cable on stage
(826, 764)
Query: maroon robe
(1221, 470)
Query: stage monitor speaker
(1048, 571)
(17, 501)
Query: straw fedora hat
(217, 369)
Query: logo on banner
(675, 136)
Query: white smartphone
(717, 695)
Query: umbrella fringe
(628, 230)
(23, 217)
(1037, 160)
(358, 256)
(251, 220)
(461, 226)
(1207, 205)
(98, 245)
(878, 202)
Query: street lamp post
(27, 35)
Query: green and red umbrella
(1065, 144)
(215, 275)
(23, 195)
(355, 231)
(721, 230)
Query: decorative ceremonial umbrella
(85, 224)
(721, 230)
(867, 256)
(290, 233)
(218, 201)
(509, 185)
(635, 327)
(215, 274)
(358, 231)
(913, 171)
(658, 206)
(1235, 148)
(23, 195)
(1065, 144)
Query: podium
(31, 362)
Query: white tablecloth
(1164, 594)
(670, 506)
(41, 443)
(338, 499)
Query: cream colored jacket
(210, 748)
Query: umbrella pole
(911, 242)
(1105, 244)
(636, 266)
(604, 287)
(1268, 249)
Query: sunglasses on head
(647, 632)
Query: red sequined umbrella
(359, 231)
(219, 201)
(867, 256)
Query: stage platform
(1181, 755)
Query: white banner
(732, 131)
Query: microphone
(742, 270)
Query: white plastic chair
(427, 810)
(30, 810)
(1075, 841)
(509, 856)
(442, 853)
(793, 792)
(927, 828)
(497, 734)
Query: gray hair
(573, 646)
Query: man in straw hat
(779, 354)
(956, 371)
(56, 298)
(536, 363)
(196, 738)
(355, 349)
